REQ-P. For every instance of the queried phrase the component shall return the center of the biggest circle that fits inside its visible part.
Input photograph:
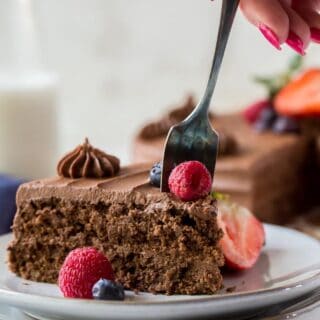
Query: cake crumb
(231, 289)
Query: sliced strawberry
(243, 237)
(253, 111)
(301, 97)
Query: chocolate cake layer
(155, 242)
(267, 174)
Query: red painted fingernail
(270, 36)
(295, 43)
(315, 35)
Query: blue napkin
(8, 190)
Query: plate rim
(209, 298)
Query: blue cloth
(8, 190)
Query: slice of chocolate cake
(154, 241)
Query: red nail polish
(295, 42)
(270, 36)
(315, 35)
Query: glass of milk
(28, 97)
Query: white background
(121, 62)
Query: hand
(294, 22)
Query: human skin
(291, 22)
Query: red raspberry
(253, 111)
(190, 180)
(81, 269)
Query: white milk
(28, 130)
(27, 97)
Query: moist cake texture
(154, 241)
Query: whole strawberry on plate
(243, 238)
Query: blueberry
(107, 290)
(285, 124)
(266, 119)
(155, 174)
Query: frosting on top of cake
(130, 178)
(88, 162)
(131, 185)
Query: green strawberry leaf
(295, 64)
(275, 83)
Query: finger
(287, 2)
(270, 17)
(309, 10)
(313, 5)
(299, 34)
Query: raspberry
(81, 269)
(190, 180)
(252, 112)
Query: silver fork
(194, 138)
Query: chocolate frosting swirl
(228, 145)
(85, 161)
(162, 126)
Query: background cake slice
(267, 173)
(154, 241)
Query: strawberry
(253, 111)
(243, 237)
(301, 97)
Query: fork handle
(228, 12)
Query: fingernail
(315, 35)
(295, 43)
(270, 36)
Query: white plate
(289, 267)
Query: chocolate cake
(265, 172)
(154, 241)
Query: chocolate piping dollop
(227, 143)
(85, 161)
(162, 126)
